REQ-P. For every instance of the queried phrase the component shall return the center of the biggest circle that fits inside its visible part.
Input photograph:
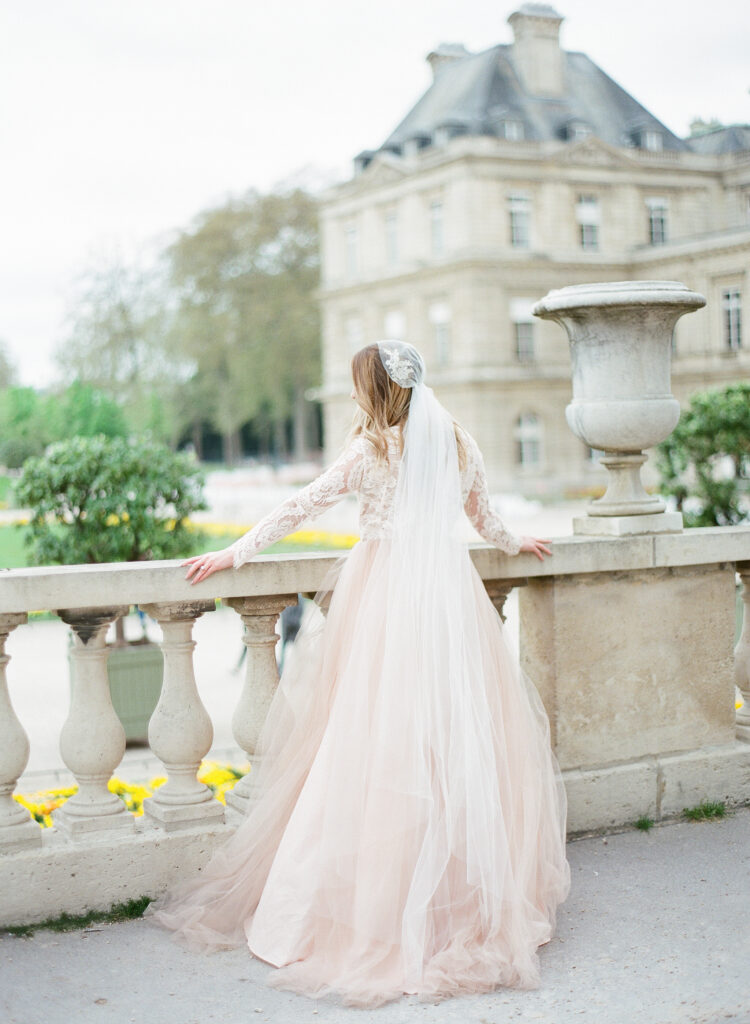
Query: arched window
(528, 436)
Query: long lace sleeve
(483, 517)
(324, 491)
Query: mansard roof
(730, 138)
(477, 92)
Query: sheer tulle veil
(429, 588)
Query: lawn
(212, 537)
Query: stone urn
(620, 337)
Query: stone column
(742, 660)
(498, 592)
(17, 828)
(259, 615)
(92, 740)
(180, 731)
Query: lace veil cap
(403, 363)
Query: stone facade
(448, 234)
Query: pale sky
(120, 121)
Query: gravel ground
(655, 931)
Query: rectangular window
(525, 342)
(523, 329)
(391, 238)
(512, 130)
(588, 216)
(350, 249)
(528, 435)
(657, 221)
(519, 208)
(439, 315)
(731, 308)
(652, 140)
(437, 242)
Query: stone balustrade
(627, 639)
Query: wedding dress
(396, 842)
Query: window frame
(731, 318)
(519, 216)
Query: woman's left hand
(202, 566)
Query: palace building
(521, 169)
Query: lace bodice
(358, 470)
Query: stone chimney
(445, 54)
(536, 48)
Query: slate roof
(731, 138)
(479, 91)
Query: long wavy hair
(382, 403)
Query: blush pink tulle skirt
(390, 848)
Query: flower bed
(218, 777)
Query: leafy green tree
(707, 457)
(103, 499)
(247, 317)
(24, 430)
(117, 324)
(30, 419)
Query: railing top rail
(90, 586)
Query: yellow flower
(112, 519)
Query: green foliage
(126, 911)
(30, 420)
(644, 823)
(707, 457)
(247, 318)
(105, 499)
(223, 329)
(705, 810)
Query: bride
(407, 828)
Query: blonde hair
(382, 403)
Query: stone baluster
(742, 660)
(17, 827)
(92, 740)
(259, 615)
(499, 590)
(180, 731)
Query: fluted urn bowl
(620, 337)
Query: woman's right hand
(535, 546)
(203, 566)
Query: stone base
(171, 818)
(657, 787)
(74, 827)
(20, 837)
(63, 877)
(627, 526)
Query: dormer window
(648, 138)
(576, 131)
(362, 160)
(511, 129)
(416, 143)
(448, 130)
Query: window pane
(524, 342)
(731, 302)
